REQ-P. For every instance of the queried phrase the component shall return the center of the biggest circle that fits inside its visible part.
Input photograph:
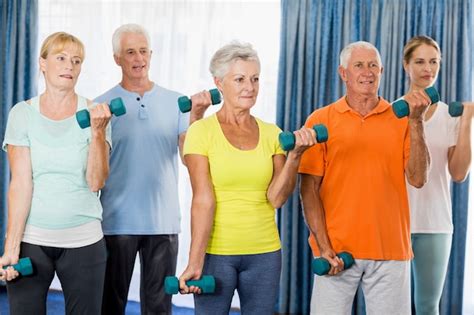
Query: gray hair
(127, 28)
(230, 53)
(347, 52)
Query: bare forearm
(284, 184)
(314, 214)
(419, 160)
(202, 218)
(98, 161)
(460, 161)
(19, 204)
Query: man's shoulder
(162, 91)
(108, 95)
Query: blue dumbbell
(116, 106)
(206, 283)
(321, 266)
(185, 104)
(24, 266)
(401, 108)
(287, 138)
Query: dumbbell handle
(287, 139)
(24, 266)
(321, 266)
(402, 109)
(185, 104)
(116, 106)
(207, 284)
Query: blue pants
(256, 278)
(81, 273)
(429, 270)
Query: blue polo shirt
(140, 196)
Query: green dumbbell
(116, 107)
(456, 109)
(24, 266)
(321, 266)
(401, 108)
(185, 104)
(287, 138)
(206, 283)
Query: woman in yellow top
(239, 175)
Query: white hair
(127, 28)
(230, 53)
(347, 52)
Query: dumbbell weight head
(287, 139)
(455, 109)
(321, 266)
(402, 109)
(184, 102)
(24, 266)
(206, 283)
(116, 106)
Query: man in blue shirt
(140, 198)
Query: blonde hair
(416, 42)
(57, 41)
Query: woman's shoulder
(267, 126)
(207, 123)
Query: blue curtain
(313, 32)
(18, 64)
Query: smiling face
(134, 57)
(61, 67)
(423, 66)
(363, 72)
(240, 85)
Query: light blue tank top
(59, 151)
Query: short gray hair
(347, 52)
(230, 53)
(127, 28)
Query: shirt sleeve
(454, 131)
(196, 141)
(16, 132)
(313, 159)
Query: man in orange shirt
(354, 191)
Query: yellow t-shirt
(244, 221)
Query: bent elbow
(418, 183)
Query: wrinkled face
(61, 69)
(363, 72)
(240, 84)
(423, 66)
(134, 56)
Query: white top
(430, 206)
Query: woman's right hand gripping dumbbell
(8, 273)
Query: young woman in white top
(449, 142)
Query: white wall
(184, 35)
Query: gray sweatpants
(386, 287)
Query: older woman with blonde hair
(239, 176)
(57, 168)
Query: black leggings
(158, 254)
(81, 272)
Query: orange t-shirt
(363, 190)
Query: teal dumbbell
(185, 104)
(321, 266)
(287, 138)
(116, 107)
(206, 283)
(24, 266)
(401, 108)
(456, 109)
